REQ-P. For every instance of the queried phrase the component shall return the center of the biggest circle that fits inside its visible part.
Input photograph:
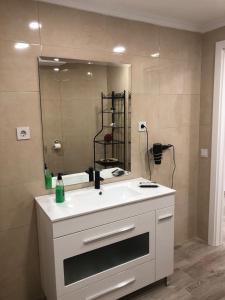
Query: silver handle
(164, 217)
(108, 234)
(112, 289)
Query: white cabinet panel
(164, 242)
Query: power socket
(23, 133)
(140, 126)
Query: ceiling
(194, 15)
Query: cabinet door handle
(112, 289)
(164, 217)
(108, 234)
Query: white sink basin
(89, 200)
(119, 193)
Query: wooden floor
(199, 274)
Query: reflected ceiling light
(34, 25)
(56, 69)
(65, 70)
(119, 49)
(155, 55)
(90, 63)
(89, 74)
(21, 45)
(56, 59)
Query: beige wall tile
(207, 76)
(186, 208)
(206, 109)
(23, 161)
(205, 136)
(118, 32)
(15, 16)
(179, 110)
(17, 204)
(22, 283)
(172, 76)
(145, 75)
(19, 109)
(203, 197)
(20, 245)
(62, 26)
(179, 45)
(19, 68)
(191, 77)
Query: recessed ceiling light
(56, 69)
(21, 45)
(34, 25)
(90, 63)
(119, 49)
(155, 55)
(56, 59)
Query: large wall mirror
(86, 118)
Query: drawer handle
(112, 289)
(109, 234)
(164, 217)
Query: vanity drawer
(116, 286)
(91, 255)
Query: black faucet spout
(98, 179)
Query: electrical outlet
(140, 123)
(23, 133)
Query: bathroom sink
(118, 193)
(88, 200)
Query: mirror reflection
(86, 117)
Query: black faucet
(90, 172)
(98, 179)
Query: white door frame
(217, 178)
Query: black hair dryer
(157, 150)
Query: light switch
(23, 133)
(204, 152)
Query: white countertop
(87, 200)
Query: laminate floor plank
(199, 275)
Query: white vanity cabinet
(105, 253)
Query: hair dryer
(157, 150)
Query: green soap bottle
(59, 190)
(48, 178)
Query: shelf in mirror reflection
(114, 142)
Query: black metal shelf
(113, 112)
(107, 164)
(115, 127)
(118, 137)
(115, 97)
(114, 142)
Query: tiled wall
(165, 93)
(207, 82)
